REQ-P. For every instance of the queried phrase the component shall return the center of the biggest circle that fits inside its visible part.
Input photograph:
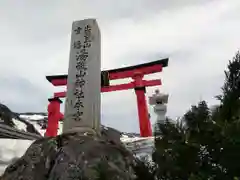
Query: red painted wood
(60, 94)
(118, 75)
(154, 82)
(144, 122)
(130, 73)
(59, 82)
(54, 115)
(119, 87)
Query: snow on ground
(141, 146)
(32, 117)
(20, 125)
(127, 139)
(60, 127)
(38, 127)
(10, 149)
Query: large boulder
(74, 156)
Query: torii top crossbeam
(119, 73)
(137, 73)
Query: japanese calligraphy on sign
(81, 57)
(83, 95)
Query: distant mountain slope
(34, 113)
(13, 120)
(7, 116)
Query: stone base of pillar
(83, 130)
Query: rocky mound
(74, 156)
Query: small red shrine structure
(138, 84)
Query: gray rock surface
(74, 156)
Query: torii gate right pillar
(144, 121)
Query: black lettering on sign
(81, 74)
(78, 30)
(87, 39)
(78, 104)
(82, 56)
(79, 93)
(80, 82)
(84, 51)
(87, 30)
(87, 36)
(77, 45)
(78, 116)
(81, 65)
(87, 45)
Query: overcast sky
(198, 36)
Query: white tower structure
(159, 100)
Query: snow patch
(10, 149)
(60, 127)
(20, 125)
(32, 117)
(127, 139)
(38, 127)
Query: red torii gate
(139, 84)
